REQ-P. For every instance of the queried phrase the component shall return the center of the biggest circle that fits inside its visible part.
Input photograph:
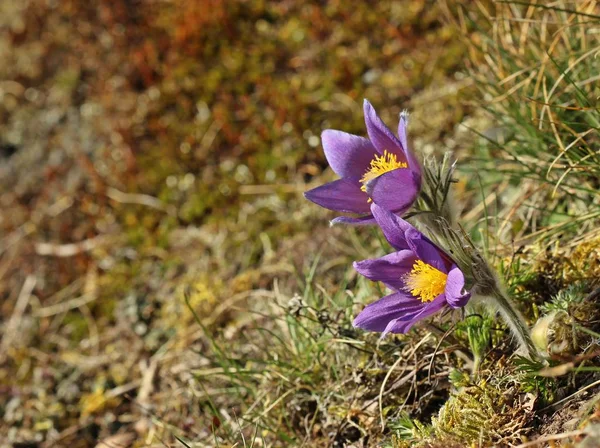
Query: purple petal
(415, 167)
(397, 326)
(404, 323)
(361, 221)
(456, 295)
(382, 138)
(413, 162)
(389, 269)
(377, 315)
(392, 226)
(348, 155)
(340, 195)
(395, 190)
(425, 249)
(402, 134)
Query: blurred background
(154, 151)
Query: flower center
(425, 282)
(380, 165)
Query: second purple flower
(423, 277)
(380, 170)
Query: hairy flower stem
(515, 322)
(483, 276)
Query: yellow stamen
(380, 165)
(425, 281)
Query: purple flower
(380, 170)
(423, 277)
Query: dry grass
(534, 66)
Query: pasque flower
(423, 277)
(380, 170)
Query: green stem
(516, 323)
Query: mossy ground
(163, 281)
